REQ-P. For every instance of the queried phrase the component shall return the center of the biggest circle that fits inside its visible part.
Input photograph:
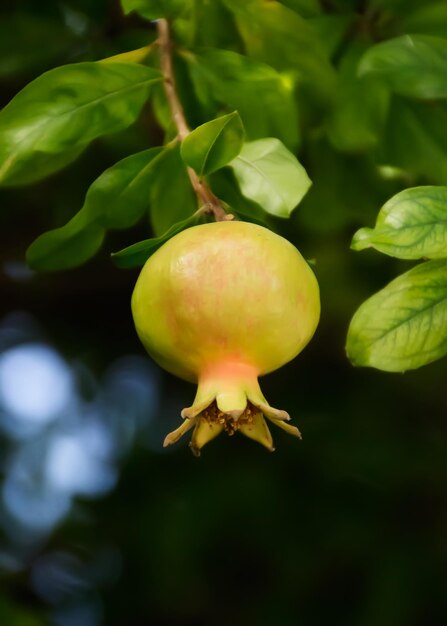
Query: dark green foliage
(263, 97)
(117, 199)
(366, 81)
(359, 81)
(347, 527)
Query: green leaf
(262, 96)
(331, 29)
(120, 196)
(415, 139)
(306, 8)
(404, 325)
(276, 35)
(220, 31)
(360, 109)
(171, 196)
(412, 225)
(430, 19)
(224, 185)
(52, 119)
(400, 7)
(214, 144)
(413, 65)
(271, 176)
(137, 254)
(139, 55)
(68, 246)
(154, 9)
(117, 199)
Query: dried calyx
(240, 390)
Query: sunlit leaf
(132, 56)
(412, 65)
(271, 176)
(117, 199)
(137, 254)
(262, 96)
(214, 144)
(52, 119)
(412, 225)
(404, 325)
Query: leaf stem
(210, 202)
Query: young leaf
(214, 144)
(137, 254)
(271, 176)
(413, 65)
(262, 96)
(52, 119)
(117, 199)
(171, 196)
(412, 225)
(404, 325)
(154, 9)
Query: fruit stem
(210, 203)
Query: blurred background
(101, 526)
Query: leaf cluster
(356, 89)
(404, 325)
(253, 125)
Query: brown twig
(210, 203)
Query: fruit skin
(221, 304)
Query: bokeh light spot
(35, 383)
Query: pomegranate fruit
(221, 304)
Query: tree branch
(210, 203)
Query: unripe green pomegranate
(220, 305)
